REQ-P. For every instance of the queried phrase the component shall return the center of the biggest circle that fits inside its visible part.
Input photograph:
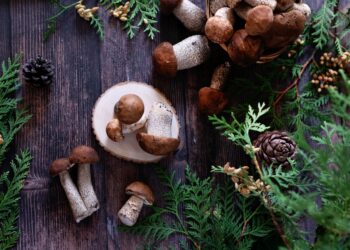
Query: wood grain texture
(86, 67)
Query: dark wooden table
(86, 67)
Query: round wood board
(103, 112)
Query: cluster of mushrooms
(154, 133)
(246, 29)
(81, 197)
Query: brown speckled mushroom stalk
(211, 99)
(60, 167)
(84, 156)
(191, 52)
(192, 17)
(215, 5)
(219, 28)
(271, 3)
(141, 194)
(259, 20)
(158, 139)
(129, 117)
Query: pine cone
(275, 148)
(38, 72)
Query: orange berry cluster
(329, 76)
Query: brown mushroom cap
(142, 191)
(164, 60)
(59, 165)
(283, 5)
(157, 145)
(211, 101)
(129, 109)
(114, 130)
(259, 20)
(244, 49)
(218, 29)
(83, 154)
(167, 6)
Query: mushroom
(60, 167)
(219, 28)
(244, 49)
(141, 194)
(286, 27)
(192, 17)
(129, 112)
(259, 20)
(283, 5)
(190, 52)
(271, 3)
(303, 8)
(84, 156)
(232, 3)
(157, 140)
(211, 99)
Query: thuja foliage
(11, 181)
(142, 13)
(207, 216)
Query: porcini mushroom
(129, 112)
(141, 194)
(219, 28)
(244, 49)
(259, 20)
(190, 52)
(271, 3)
(60, 167)
(192, 17)
(158, 139)
(211, 99)
(84, 156)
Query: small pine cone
(38, 72)
(275, 149)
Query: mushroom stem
(192, 17)
(130, 212)
(220, 76)
(75, 201)
(86, 189)
(191, 52)
(130, 128)
(159, 120)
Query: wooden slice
(103, 112)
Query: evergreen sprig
(211, 218)
(11, 182)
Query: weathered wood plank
(61, 120)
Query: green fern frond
(97, 24)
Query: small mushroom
(129, 112)
(129, 109)
(232, 3)
(244, 49)
(211, 99)
(84, 156)
(219, 28)
(158, 139)
(141, 194)
(271, 3)
(303, 8)
(190, 52)
(60, 167)
(192, 17)
(259, 20)
(286, 27)
(1, 139)
(284, 5)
